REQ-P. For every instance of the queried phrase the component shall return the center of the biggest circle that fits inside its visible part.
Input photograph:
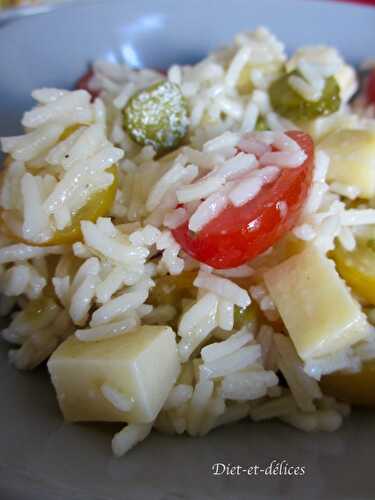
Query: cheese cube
(142, 365)
(352, 159)
(315, 304)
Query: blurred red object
(364, 2)
(83, 84)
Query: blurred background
(27, 3)
(5, 4)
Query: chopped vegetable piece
(245, 316)
(370, 87)
(128, 364)
(290, 104)
(157, 116)
(239, 234)
(353, 388)
(98, 205)
(358, 269)
(352, 159)
(7, 161)
(261, 124)
(84, 84)
(244, 83)
(68, 131)
(316, 306)
(172, 289)
(37, 309)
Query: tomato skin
(239, 234)
(83, 84)
(370, 87)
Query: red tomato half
(83, 84)
(239, 234)
(370, 87)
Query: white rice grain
(341, 360)
(207, 305)
(180, 394)
(245, 190)
(351, 192)
(304, 389)
(108, 330)
(225, 315)
(250, 385)
(198, 404)
(233, 413)
(130, 435)
(223, 144)
(188, 344)
(354, 217)
(231, 363)
(35, 223)
(33, 144)
(274, 409)
(218, 350)
(223, 287)
(116, 249)
(199, 190)
(237, 166)
(60, 109)
(20, 252)
(284, 159)
(116, 398)
(175, 218)
(15, 280)
(208, 210)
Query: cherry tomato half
(239, 234)
(370, 87)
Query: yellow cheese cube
(142, 365)
(352, 159)
(315, 304)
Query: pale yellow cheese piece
(352, 159)
(143, 365)
(315, 304)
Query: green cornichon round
(290, 104)
(157, 116)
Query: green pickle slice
(246, 316)
(157, 116)
(261, 124)
(288, 103)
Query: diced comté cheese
(352, 159)
(142, 365)
(315, 304)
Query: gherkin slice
(244, 84)
(157, 116)
(261, 124)
(290, 104)
(247, 316)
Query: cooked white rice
(125, 269)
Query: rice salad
(192, 248)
